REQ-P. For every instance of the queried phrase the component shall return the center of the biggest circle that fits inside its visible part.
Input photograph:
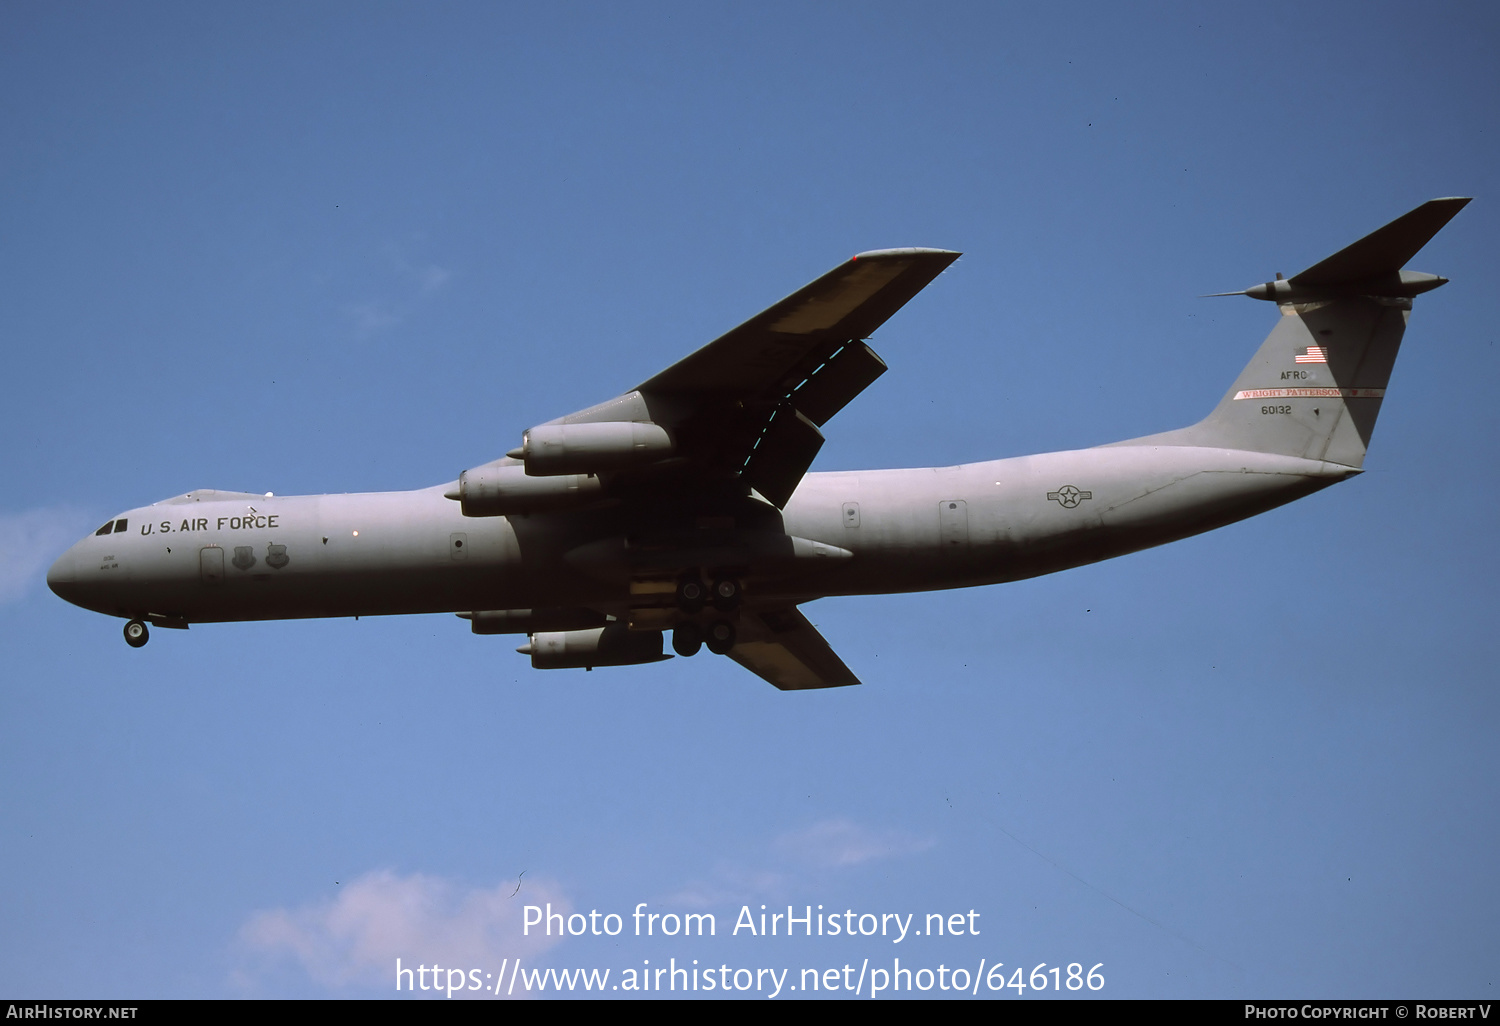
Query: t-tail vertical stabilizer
(1315, 386)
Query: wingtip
(910, 251)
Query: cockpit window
(120, 525)
(106, 528)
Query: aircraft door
(953, 526)
(211, 565)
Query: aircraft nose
(62, 577)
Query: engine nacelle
(499, 490)
(552, 449)
(613, 645)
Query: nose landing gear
(136, 633)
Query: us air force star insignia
(1068, 496)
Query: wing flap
(782, 455)
(781, 646)
(833, 385)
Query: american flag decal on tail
(1312, 354)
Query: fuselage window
(120, 525)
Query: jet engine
(503, 489)
(612, 645)
(552, 449)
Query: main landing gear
(136, 633)
(720, 637)
(691, 595)
(724, 594)
(688, 638)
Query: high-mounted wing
(847, 303)
(781, 646)
(752, 400)
(746, 408)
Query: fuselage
(215, 556)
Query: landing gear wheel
(720, 637)
(136, 634)
(691, 594)
(726, 593)
(687, 639)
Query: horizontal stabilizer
(781, 646)
(1385, 250)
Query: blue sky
(357, 247)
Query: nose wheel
(136, 633)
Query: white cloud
(729, 885)
(369, 318)
(355, 938)
(407, 284)
(432, 277)
(842, 842)
(831, 844)
(30, 541)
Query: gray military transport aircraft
(685, 504)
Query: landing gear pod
(529, 621)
